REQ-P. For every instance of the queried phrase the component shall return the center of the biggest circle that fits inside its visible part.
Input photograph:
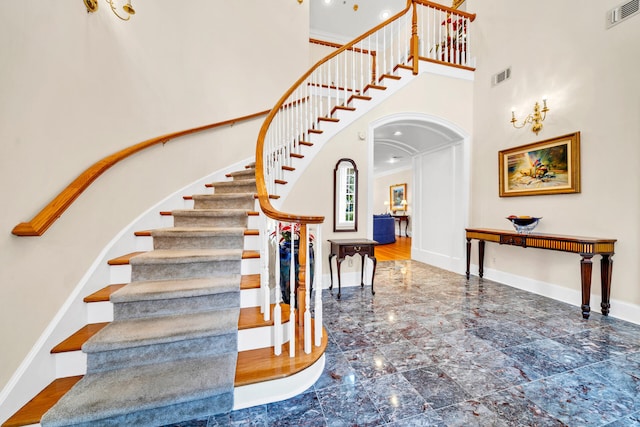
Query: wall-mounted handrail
(56, 207)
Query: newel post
(302, 287)
(414, 39)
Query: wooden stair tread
(142, 233)
(103, 294)
(315, 131)
(377, 87)
(74, 341)
(344, 107)
(296, 155)
(362, 97)
(251, 317)
(250, 254)
(389, 76)
(306, 143)
(187, 197)
(124, 259)
(255, 366)
(280, 181)
(32, 411)
(328, 119)
(403, 66)
(288, 168)
(250, 281)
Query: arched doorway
(438, 152)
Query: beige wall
(76, 87)
(381, 189)
(589, 74)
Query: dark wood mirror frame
(343, 166)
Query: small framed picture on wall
(398, 197)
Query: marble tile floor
(433, 349)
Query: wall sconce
(535, 119)
(92, 6)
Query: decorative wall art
(551, 166)
(398, 193)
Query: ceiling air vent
(622, 12)
(501, 76)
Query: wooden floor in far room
(399, 250)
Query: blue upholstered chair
(384, 229)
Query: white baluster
(277, 312)
(292, 295)
(307, 295)
(264, 277)
(317, 284)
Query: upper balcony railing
(422, 31)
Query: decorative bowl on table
(524, 224)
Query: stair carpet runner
(170, 354)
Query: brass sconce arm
(92, 6)
(535, 119)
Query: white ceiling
(337, 21)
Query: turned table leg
(606, 269)
(468, 256)
(481, 258)
(585, 274)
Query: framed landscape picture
(551, 166)
(398, 193)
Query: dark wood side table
(400, 219)
(586, 247)
(342, 248)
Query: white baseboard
(619, 309)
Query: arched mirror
(345, 196)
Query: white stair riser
(70, 363)
(119, 274)
(250, 266)
(99, 312)
(254, 338)
(250, 298)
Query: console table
(400, 219)
(586, 247)
(342, 248)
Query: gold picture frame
(397, 193)
(551, 166)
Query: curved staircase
(187, 339)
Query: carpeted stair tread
(210, 212)
(225, 201)
(185, 256)
(243, 174)
(198, 231)
(230, 197)
(235, 182)
(115, 397)
(121, 334)
(171, 289)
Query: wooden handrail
(56, 207)
(263, 194)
